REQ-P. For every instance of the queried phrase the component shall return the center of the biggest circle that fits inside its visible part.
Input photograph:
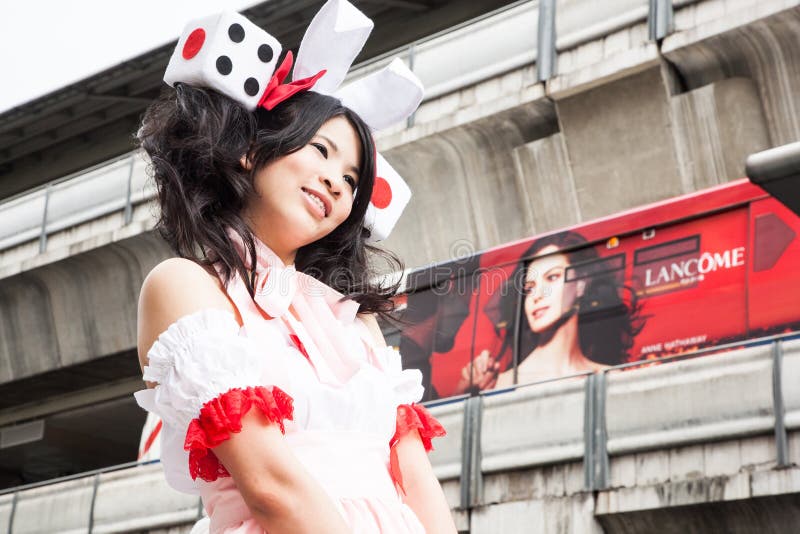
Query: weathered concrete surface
(715, 128)
(731, 486)
(464, 187)
(619, 150)
(490, 163)
(634, 122)
(544, 178)
(720, 482)
(755, 39)
(74, 310)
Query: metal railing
(113, 186)
(579, 418)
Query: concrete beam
(74, 310)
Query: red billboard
(701, 270)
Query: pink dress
(341, 401)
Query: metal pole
(43, 233)
(13, 511)
(660, 19)
(778, 407)
(476, 474)
(600, 434)
(517, 284)
(466, 453)
(546, 41)
(588, 433)
(95, 484)
(411, 50)
(128, 207)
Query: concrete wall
(76, 309)
(696, 456)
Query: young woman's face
(304, 196)
(546, 296)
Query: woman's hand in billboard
(481, 374)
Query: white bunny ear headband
(230, 54)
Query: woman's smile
(318, 203)
(322, 173)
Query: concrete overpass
(712, 446)
(636, 110)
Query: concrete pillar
(758, 47)
(620, 149)
(466, 194)
(545, 182)
(715, 128)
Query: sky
(47, 44)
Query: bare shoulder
(174, 288)
(372, 324)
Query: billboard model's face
(546, 296)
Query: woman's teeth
(317, 201)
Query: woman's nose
(334, 189)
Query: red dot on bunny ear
(381, 193)
(194, 43)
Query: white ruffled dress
(341, 401)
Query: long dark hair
(609, 314)
(196, 138)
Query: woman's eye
(350, 180)
(529, 289)
(322, 149)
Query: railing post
(471, 479)
(600, 435)
(595, 439)
(43, 233)
(13, 512)
(588, 432)
(128, 207)
(659, 19)
(778, 407)
(546, 41)
(95, 484)
(411, 51)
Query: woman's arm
(281, 495)
(423, 493)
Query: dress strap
(237, 293)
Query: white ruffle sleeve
(208, 377)
(197, 358)
(406, 383)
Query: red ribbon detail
(412, 417)
(299, 345)
(277, 91)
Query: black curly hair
(196, 138)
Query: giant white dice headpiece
(228, 53)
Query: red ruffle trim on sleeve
(222, 416)
(412, 417)
(415, 417)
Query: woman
(282, 408)
(575, 316)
